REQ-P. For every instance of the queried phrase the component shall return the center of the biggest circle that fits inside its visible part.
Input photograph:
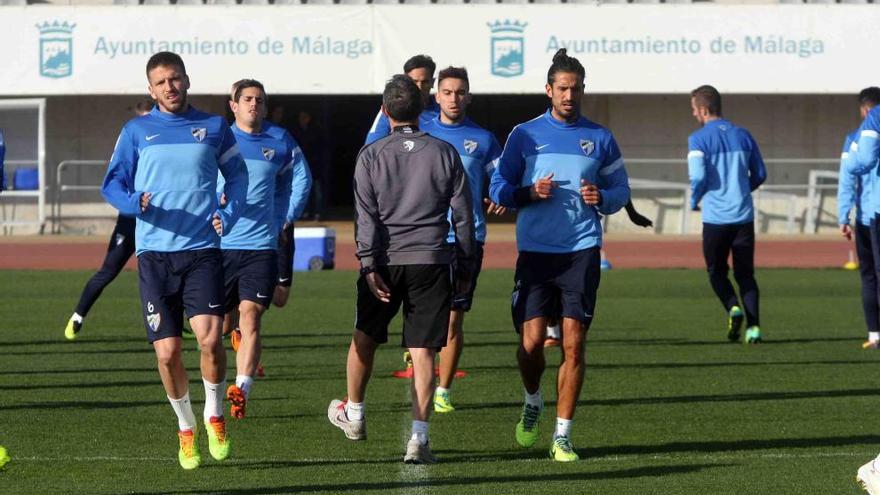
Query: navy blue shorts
(286, 247)
(463, 302)
(545, 281)
(171, 283)
(249, 275)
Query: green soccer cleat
(73, 327)
(527, 428)
(442, 404)
(562, 450)
(188, 455)
(734, 323)
(753, 335)
(218, 443)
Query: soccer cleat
(354, 430)
(418, 453)
(237, 401)
(188, 455)
(562, 450)
(868, 477)
(753, 335)
(442, 404)
(527, 428)
(73, 327)
(235, 339)
(871, 344)
(218, 443)
(734, 323)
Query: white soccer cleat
(354, 430)
(868, 478)
(418, 453)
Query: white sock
(244, 382)
(420, 431)
(186, 420)
(563, 427)
(553, 332)
(441, 391)
(76, 317)
(213, 399)
(535, 399)
(872, 336)
(354, 410)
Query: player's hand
(378, 288)
(492, 208)
(846, 231)
(223, 200)
(145, 201)
(217, 223)
(590, 193)
(543, 189)
(639, 219)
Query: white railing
(61, 187)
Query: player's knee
(249, 310)
(168, 357)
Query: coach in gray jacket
(404, 186)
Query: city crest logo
(56, 49)
(508, 47)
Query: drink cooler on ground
(315, 248)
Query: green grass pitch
(669, 407)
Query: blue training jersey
(176, 157)
(866, 154)
(572, 152)
(479, 152)
(724, 166)
(302, 184)
(269, 156)
(381, 127)
(853, 190)
(2, 158)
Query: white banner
(342, 49)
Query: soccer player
(404, 186)
(420, 69)
(725, 166)
(119, 250)
(561, 171)
(2, 157)
(163, 172)
(855, 191)
(299, 198)
(479, 152)
(250, 256)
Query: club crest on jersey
(268, 154)
(470, 145)
(587, 146)
(200, 133)
(154, 320)
(409, 145)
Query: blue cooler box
(315, 248)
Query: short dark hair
(708, 97)
(244, 84)
(165, 59)
(870, 96)
(420, 62)
(563, 63)
(402, 99)
(454, 73)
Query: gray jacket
(404, 186)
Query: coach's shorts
(249, 276)
(544, 283)
(425, 292)
(463, 302)
(171, 283)
(286, 247)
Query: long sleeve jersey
(479, 152)
(404, 185)
(381, 127)
(853, 191)
(175, 158)
(270, 156)
(580, 150)
(863, 159)
(2, 158)
(724, 166)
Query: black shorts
(249, 276)
(463, 302)
(556, 284)
(171, 283)
(286, 247)
(425, 292)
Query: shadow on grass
(734, 445)
(452, 482)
